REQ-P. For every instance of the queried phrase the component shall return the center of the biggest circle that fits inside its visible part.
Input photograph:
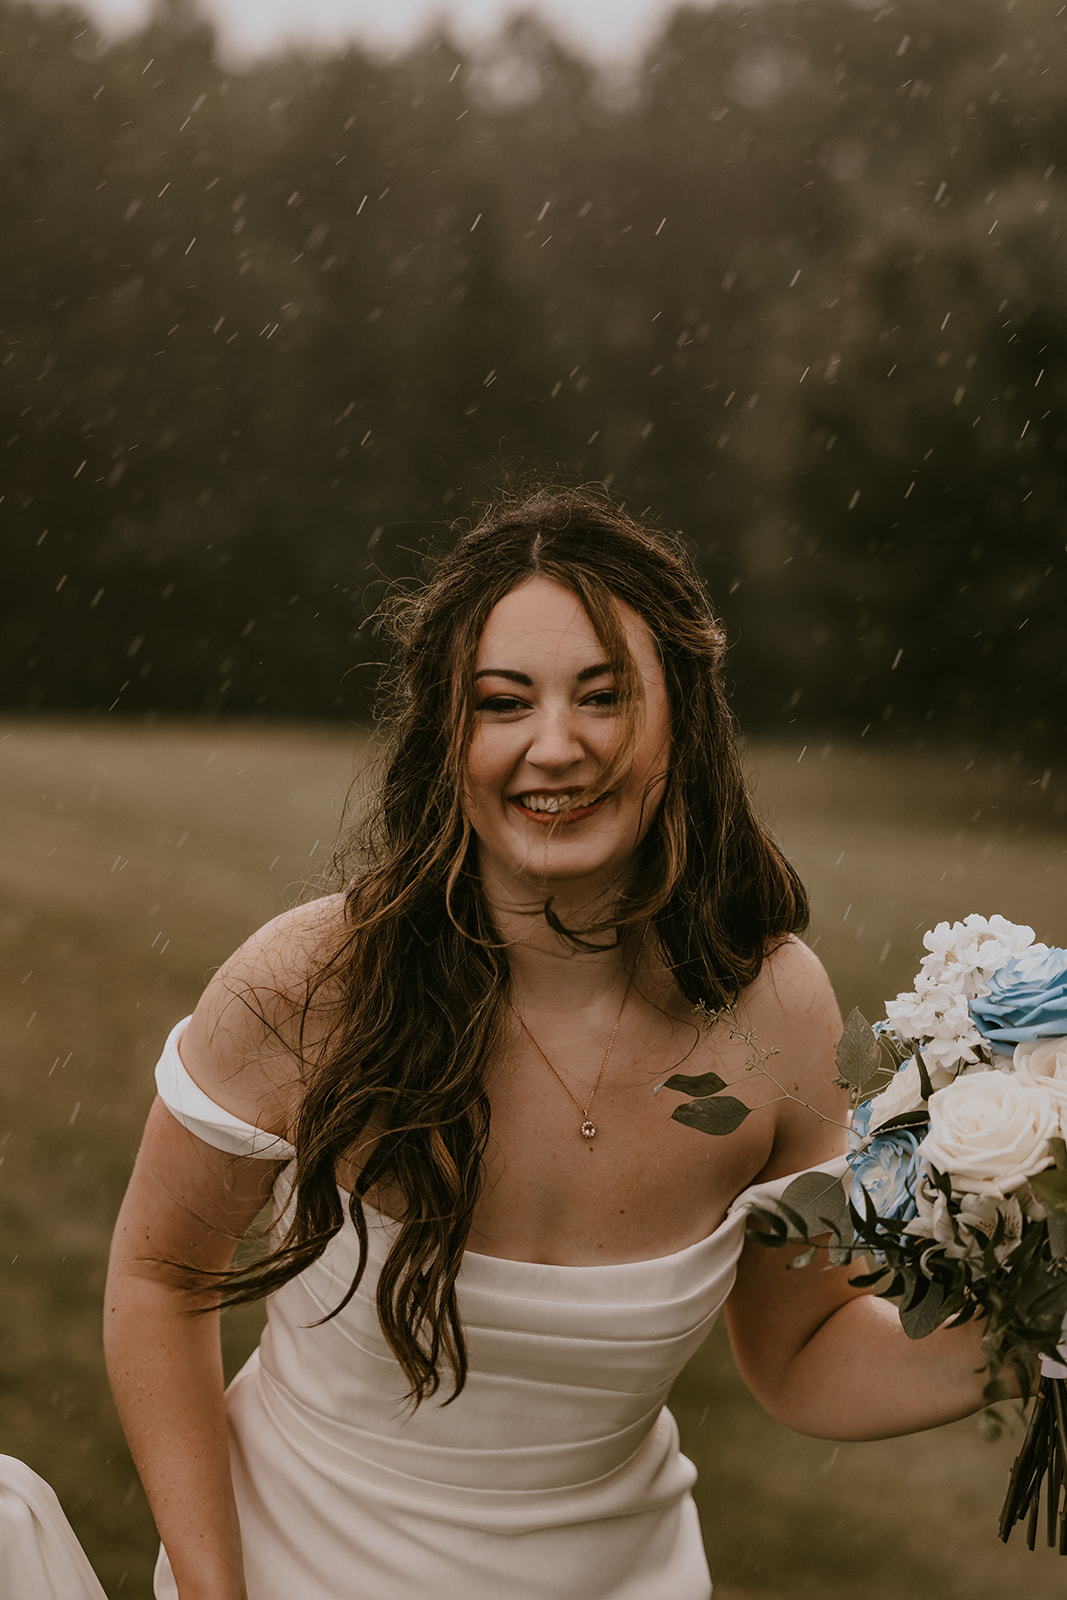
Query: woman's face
(546, 724)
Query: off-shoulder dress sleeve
(195, 1110)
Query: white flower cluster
(964, 955)
(934, 1016)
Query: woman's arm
(186, 1202)
(190, 1204)
(819, 1355)
(832, 1361)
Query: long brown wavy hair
(398, 1087)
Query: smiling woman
(548, 729)
(478, 1301)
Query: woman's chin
(553, 864)
(570, 874)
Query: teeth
(544, 802)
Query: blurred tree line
(800, 287)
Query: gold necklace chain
(588, 1128)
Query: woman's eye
(603, 699)
(500, 703)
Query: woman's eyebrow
(600, 670)
(503, 672)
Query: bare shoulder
(261, 1012)
(792, 994)
(791, 1010)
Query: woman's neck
(548, 969)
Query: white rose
(1042, 1064)
(903, 1094)
(989, 1132)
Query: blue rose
(887, 1169)
(1027, 1000)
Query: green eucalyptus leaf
(1059, 1151)
(997, 1389)
(1057, 1234)
(1051, 1187)
(900, 1283)
(773, 1241)
(703, 1083)
(820, 1200)
(922, 1316)
(1046, 1310)
(1023, 1377)
(925, 1086)
(871, 1220)
(804, 1259)
(919, 1118)
(796, 1224)
(712, 1116)
(867, 1280)
(859, 1054)
(773, 1222)
(908, 1284)
(941, 1181)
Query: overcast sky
(612, 30)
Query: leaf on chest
(702, 1083)
(712, 1116)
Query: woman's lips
(560, 819)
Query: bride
(493, 1248)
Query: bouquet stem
(1043, 1455)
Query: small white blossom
(964, 955)
(938, 1021)
(934, 1016)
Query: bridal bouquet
(957, 1186)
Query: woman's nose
(555, 742)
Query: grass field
(137, 857)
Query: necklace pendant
(588, 1129)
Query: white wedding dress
(556, 1473)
